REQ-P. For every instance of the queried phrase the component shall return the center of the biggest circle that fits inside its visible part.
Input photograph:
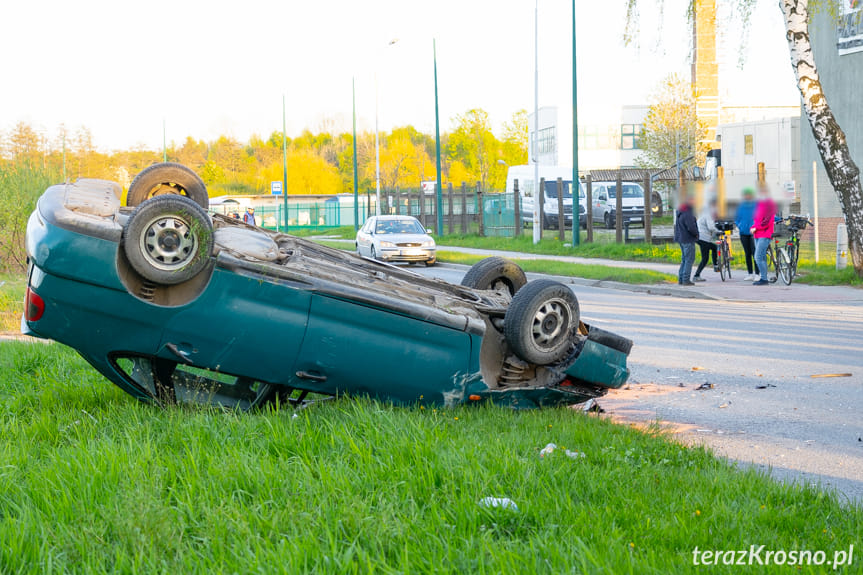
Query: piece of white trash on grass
(575, 454)
(502, 502)
(547, 450)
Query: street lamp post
(284, 164)
(537, 225)
(356, 187)
(378, 146)
(439, 185)
(576, 186)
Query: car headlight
(428, 244)
(387, 245)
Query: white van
(604, 198)
(528, 189)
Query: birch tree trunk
(829, 137)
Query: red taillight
(34, 306)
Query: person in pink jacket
(762, 231)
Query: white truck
(604, 198)
(528, 191)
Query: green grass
(587, 271)
(11, 301)
(94, 482)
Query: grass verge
(94, 482)
(587, 271)
(12, 288)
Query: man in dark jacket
(685, 234)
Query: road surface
(764, 408)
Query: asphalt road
(764, 408)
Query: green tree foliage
(671, 129)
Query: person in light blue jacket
(743, 221)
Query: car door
(600, 201)
(364, 239)
(359, 349)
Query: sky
(208, 68)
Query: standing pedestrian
(706, 229)
(762, 231)
(249, 216)
(685, 234)
(744, 220)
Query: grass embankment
(94, 482)
(587, 271)
(12, 288)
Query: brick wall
(826, 230)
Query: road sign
(276, 188)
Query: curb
(670, 291)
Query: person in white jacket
(706, 230)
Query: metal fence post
(516, 202)
(648, 211)
(450, 222)
(540, 197)
(561, 216)
(464, 208)
(588, 192)
(480, 210)
(618, 209)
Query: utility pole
(284, 164)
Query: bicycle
(795, 224)
(778, 265)
(723, 248)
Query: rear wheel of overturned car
(495, 273)
(167, 178)
(168, 239)
(540, 322)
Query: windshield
(551, 189)
(399, 227)
(629, 191)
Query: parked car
(527, 191)
(396, 239)
(173, 304)
(605, 203)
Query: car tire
(168, 239)
(372, 253)
(656, 204)
(495, 273)
(609, 222)
(357, 247)
(430, 263)
(609, 339)
(540, 321)
(167, 178)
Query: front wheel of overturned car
(167, 178)
(495, 273)
(540, 322)
(168, 239)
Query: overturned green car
(173, 304)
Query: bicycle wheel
(793, 256)
(771, 264)
(784, 266)
(727, 249)
(722, 260)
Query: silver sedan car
(396, 239)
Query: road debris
(765, 386)
(591, 406)
(697, 368)
(831, 375)
(704, 386)
(502, 502)
(724, 405)
(549, 449)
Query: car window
(551, 189)
(629, 191)
(399, 227)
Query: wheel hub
(549, 323)
(168, 243)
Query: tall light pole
(164, 147)
(439, 185)
(378, 146)
(537, 225)
(284, 164)
(356, 195)
(576, 185)
(377, 155)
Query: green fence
(461, 212)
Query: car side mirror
(429, 232)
